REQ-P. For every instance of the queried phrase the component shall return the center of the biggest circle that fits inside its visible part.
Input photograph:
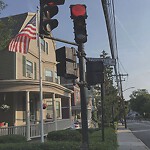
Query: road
(141, 129)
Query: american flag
(20, 43)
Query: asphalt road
(141, 129)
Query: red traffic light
(52, 2)
(78, 10)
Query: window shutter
(35, 71)
(24, 65)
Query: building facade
(20, 87)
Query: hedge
(64, 135)
(12, 139)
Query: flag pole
(40, 77)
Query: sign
(106, 61)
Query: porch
(35, 128)
(23, 116)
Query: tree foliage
(2, 5)
(110, 98)
(140, 101)
(6, 32)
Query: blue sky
(133, 34)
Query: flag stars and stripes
(20, 43)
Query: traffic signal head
(48, 9)
(78, 14)
(78, 11)
(66, 58)
(94, 72)
(52, 2)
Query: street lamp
(128, 88)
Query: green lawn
(65, 140)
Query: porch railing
(35, 128)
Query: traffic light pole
(102, 107)
(81, 55)
(40, 81)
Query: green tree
(110, 99)
(140, 101)
(6, 32)
(2, 5)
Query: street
(141, 129)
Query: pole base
(84, 146)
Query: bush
(42, 146)
(12, 139)
(64, 135)
(67, 140)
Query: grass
(95, 142)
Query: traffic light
(48, 9)
(94, 72)
(67, 66)
(78, 14)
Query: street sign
(106, 61)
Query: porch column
(27, 116)
(70, 110)
(54, 110)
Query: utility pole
(121, 94)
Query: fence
(35, 128)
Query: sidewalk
(127, 141)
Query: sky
(133, 34)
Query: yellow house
(19, 85)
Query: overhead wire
(109, 13)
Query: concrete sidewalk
(127, 141)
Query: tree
(110, 99)
(6, 32)
(2, 5)
(140, 101)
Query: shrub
(12, 139)
(64, 135)
(41, 146)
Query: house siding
(7, 65)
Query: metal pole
(81, 54)
(60, 40)
(123, 103)
(102, 107)
(40, 79)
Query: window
(57, 79)
(49, 75)
(29, 69)
(49, 110)
(58, 109)
(44, 46)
